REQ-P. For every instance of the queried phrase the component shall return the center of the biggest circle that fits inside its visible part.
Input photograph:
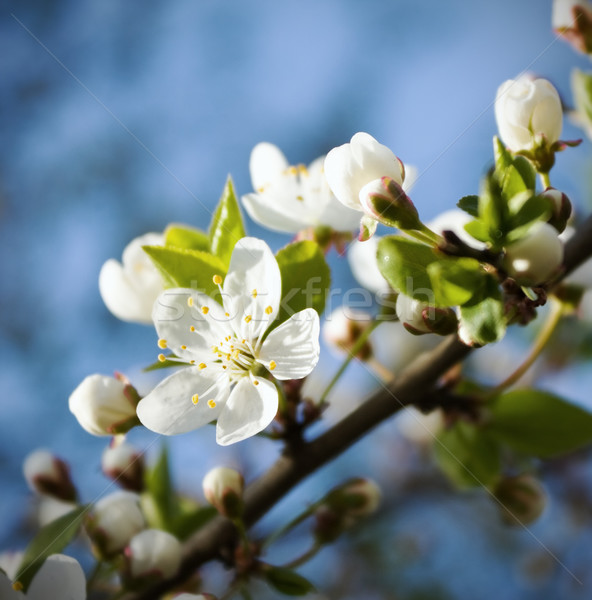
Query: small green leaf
(455, 282)
(187, 268)
(512, 183)
(51, 539)
(527, 172)
(538, 423)
(468, 456)
(533, 209)
(482, 317)
(226, 228)
(403, 263)
(306, 278)
(288, 582)
(183, 236)
(503, 158)
(470, 204)
(190, 519)
(581, 85)
(478, 230)
(160, 493)
(492, 210)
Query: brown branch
(412, 386)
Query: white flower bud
(572, 20)
(104, 405)
(560, 208)
(223, 489)
(563, 15)
(48, 474)
(535, 257)
(115, 520)
(153, 552)
(130, 288)
(124, 463)
(528, 113)
(342, 328)
(411, 313)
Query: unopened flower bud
(572, 20)
(522, 499)
(124, 463)
(194, 597)
(153, 553)
(223, 489)
(114, 521)
(104, 405)
(560, 208)
(420, 317)
(343, 327)
(536, 257)
(50, 475)
(385, 200)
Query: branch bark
(412, 386)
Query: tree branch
(412, 386)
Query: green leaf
(581, 85)
(403, 263)
(470, 204)
(482, 318)
(51, 539)
(530, 211)
(226, 228)
(187, 268)
(503, 158)
(306, 278)
(287, 582)
(526, 170)
(183, 236)
(492, 210)
(538, 423)
(478, 230)
(468, 456)
(455, 282)
(160, 494)
(190, 519)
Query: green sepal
(581, 85)
(287, 582)
(468, 456)
(226, 227)
(470, 204)
(158, 501)
(190, 517)
(482, 317)
(539, 423)
(51, 539)
(306, 279)
(183, 236)
(187, 268)
(455, 282)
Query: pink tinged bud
(153, 553)
(368, 227)
(343, 327)
(114, 521)
(572, 20)
(420, 317)
(536, 257)
(47, 474)
(223, 488)
(522, 499)
(124, 463)
(194, 597)
(104, 405)
(560, 208)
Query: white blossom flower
(528, 112)
(290, 198)
(130, 288)
(153, 552)
(226, 348)
(535, 257)
(59, 577)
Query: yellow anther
(255, 382)
(192, 329)
(202, 365)
(205, 310)
(183, 347)
(292, 170)
(248, 319)
(191, 362)
(211, 404)
(224, 367)
(243, 341)
(161, 357)
(162, 344)
(254, 293)
(217, 279)
(272, 365)
(261, 189)
(303, 170)
(195, 398)
(226, 314)
(190, 301)
(269, 310)
(17, 586)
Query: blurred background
(118, 118)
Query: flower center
(236, 356)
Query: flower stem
(553, 319)
(310, 553)
(352, 353)
(545, 180)
(276, 535)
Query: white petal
(293, 346)
(185, 317)
(374, 159)
(251, 407)
(271, 212)
(6, 591)
(364, 266)
(169, 409)
(266, 164)
(340, 168)
(60, 577)
(252, 288)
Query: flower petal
(61, 577)
(291, 351)
(266, 164)
(169, 408)
(6, 590)
(252, 288)
(271, 211)
(251, 407)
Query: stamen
(248, 319)
(205, 310)
(191, 362)
(292, 170)
(17, 586)
(211, 404)
(202, 365)
(195, 398)
(300, 198)
(162, 344)
(255, 382)
(268, 310)
(254, 293)
(217, 279)
(192, 329)
(226, 314)
(272, 365)
(183, 347)
(161, 357)
(190, 301)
